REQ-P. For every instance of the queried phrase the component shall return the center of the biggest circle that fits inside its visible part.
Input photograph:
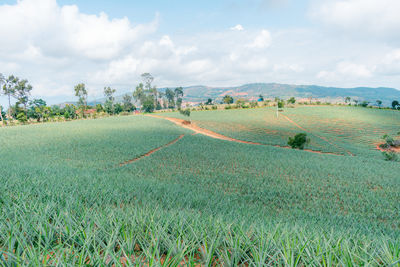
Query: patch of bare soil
(152, 151)
(389, 149)
(192, 126)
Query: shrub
(21, 117)
(185, 112)
(390, 156)
(298, 141)
(228, 107)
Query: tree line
(145, 94)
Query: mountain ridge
(200, 93)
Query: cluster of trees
(25, 109)
(348, 100)
(19, 89)
(151, 99)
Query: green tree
(149, 88)
(178, 95)
(1, 116)
(37, 109)
(395, 104)
(109, 104)
(148, 105)
(127, 103)
(99, 108)
(21, 117)
(170, 95)
(364, 104)
(82, 94)
(21, 93)
(139, 94)
(347, 99)
(281, 104)
(298, 141)
(209, 102)
(227, 99)
(379, 103)
(185, 112)
(9, 85)
(291, 100)
(2, 81)
(118, 108)
(69, 111)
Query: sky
(58, 44)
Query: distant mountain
(271, 90)
(201, 93)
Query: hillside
(200, 93)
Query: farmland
(73, 193)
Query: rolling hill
(201, 93)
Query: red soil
(392, 149)
(321, 137)
(215, 135)
(152, 151)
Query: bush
(228, 107)
(21, 117)
(185, 112)
(390, 156)
(298, 141)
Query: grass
(64, 200)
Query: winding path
(192, 126)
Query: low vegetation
(299, 141)
(68, 201)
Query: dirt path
(192, 126)
(152, 151)
(320, 137)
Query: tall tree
(82, 94)
(379, 103)
(139, 94)
(150, 89)
(127, 103)
(2, 81)
(178, 95)
(9, 89)
(347, 99)
(37, 109)
(395, 104)
(21, 93)
(170, 95)
(109, 94)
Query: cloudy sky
(57, 44)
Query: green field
(66, 200)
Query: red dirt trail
(152, 151)
(215, 135)
(321, 137)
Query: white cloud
(55, 47)
(347, 70)
(262, 40)
(237, 28)
(371, 18)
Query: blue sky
(57, 44)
